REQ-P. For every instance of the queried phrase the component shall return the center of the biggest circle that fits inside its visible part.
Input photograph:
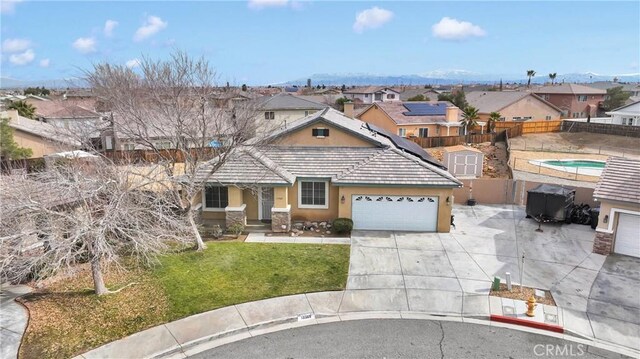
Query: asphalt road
(403, 338)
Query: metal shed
(463, 161)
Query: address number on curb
(306, 316)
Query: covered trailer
(549, 202)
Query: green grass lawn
(231, 273)
(67, 319)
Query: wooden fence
(27, 165)
(530, 126)
(428, 142)
(603, 128)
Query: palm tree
(469, 117)
(493, 118)
(552, 76)
(530, 73)
(24, 109)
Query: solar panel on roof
(406, 145)
(425, 109)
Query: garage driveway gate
(394, 213)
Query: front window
(313, 194)
(269, 115)
(402, 132)
(320, 132)
(582, 98)
(391, 96)
(423, 132)
(128, 146)
(216, 198)
(163, 145)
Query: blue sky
(269, 41)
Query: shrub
(342, 225)
(236, 228)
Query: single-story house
(414, 119)
(329, 166)
(618, 192)
(42, 138)
(513, 106)
(626, 115)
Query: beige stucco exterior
(281, 117)
(528, 106)
(376, 116)
(611, 209)
(39, 146)
(314, 214)
(444, 208)
(336, 138)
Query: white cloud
(133, 63)
(261, 4)
(8, 6)
(109, 26)
(45, 63)
(22, 58)
(152, 25)
(371, 19)
(453, 29)
(85, 45)
(15, 45)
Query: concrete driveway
(452, 273)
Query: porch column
(235, 212)
(281, 210)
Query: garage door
(628, 235)
(397, 213)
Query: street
(403, 338)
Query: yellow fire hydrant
(531, 305)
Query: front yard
(67, 319)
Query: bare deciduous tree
(168, 108)
(85, 210)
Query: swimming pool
(577, 166)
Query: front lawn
(67, 319)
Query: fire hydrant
(531, 306)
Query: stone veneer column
(603, 243)
(281, 217)
(236, 215)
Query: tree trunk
(199, 242)
(98, 281)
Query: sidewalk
(262, 238)
(13, 319)
(200, 332)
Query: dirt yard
(580, 142)
(495, 159)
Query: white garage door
(628, 235)
(397, 213)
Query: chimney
(452, 114)
(349, 109)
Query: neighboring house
(284, 108)
(70, 116)
(626, 115)
(414, 119)
(428, 93)
(329, 166)
(513, 106)
(575, 101)
(618, 192)
(633, 89)
(463, 161)
(42, 138)
(372, 94)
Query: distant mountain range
(450, 77)
(436, 77)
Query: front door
(266, 203)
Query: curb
(527, 323)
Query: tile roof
(284, 101)
(495, 101)
(368, 89)
(398, 112)
(619, 181)
(573, 89)
(62, 109)
(40, 129)
(384, 164)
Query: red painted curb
(527, 323)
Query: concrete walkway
(13, 319)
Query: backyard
(67, 319)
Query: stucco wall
(38, 145)
(444, 209)
(314, 214)
(527, 107)
(337, 138)
(569, 103)
(377, 117)
(250, 198)
(605, 209)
